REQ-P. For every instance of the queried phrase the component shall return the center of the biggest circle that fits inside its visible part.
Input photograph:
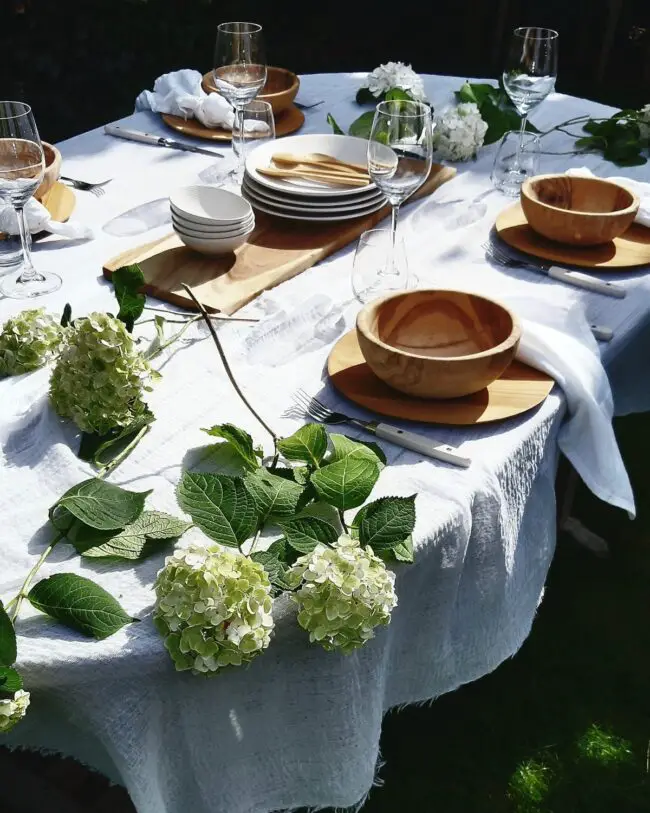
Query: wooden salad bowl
(437, 344)
(52, 169)
(280, 89)
(577, 211)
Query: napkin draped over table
(640, 189)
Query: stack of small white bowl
(211, 220)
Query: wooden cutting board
(277, 250)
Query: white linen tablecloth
(300, 726)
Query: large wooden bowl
(52, 169)
(437, 344)
(577, 211)
(280, 89)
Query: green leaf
(498, 121)
(365, 96)
(10, 681)
(80, 604)
(333, 124)
(362, 127)
(240, 441)
(128, 281)
(478, 93)
(283, 551)
(102, 505)
(66, 316)
(403, 552)
(398, 95)
(304, 533)
(308, 444)
(7, 639)
(346, 483)
(274, 496)
(386, 522)
(222, 507)
(345, 446)
(134, 542)
(93, 447)
(269, 562)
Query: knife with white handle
(598, 286)
(420, 443)
(157, 141)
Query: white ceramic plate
(345, 148)
(335, 203)
(209, 205)
(333, 218)
(290, 207)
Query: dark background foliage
(81, 63)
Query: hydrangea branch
(17, 601)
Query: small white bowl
(211, 231)
(213, 246)
(209, 205)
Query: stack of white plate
(211, 220)
(298, 199)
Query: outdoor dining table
(300, 726)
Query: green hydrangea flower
(100, 376)
(28, 341)
(346, 591)
(13, 711)
(213, 608)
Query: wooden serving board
(277, 250)
(630, 250)
(286, 122)
(519, 389)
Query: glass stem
(239, 124)
(520, 143)
(28, 271)
(390, 265)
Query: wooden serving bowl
(280, 89)
(437, 344)
(52, 169)
(577, 211)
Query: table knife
(158, 141)
(585, 281)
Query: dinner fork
(96, 188)
(598, 286)
(409, 440)
(302, 106)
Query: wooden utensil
(344, 172)
(517, 390)
(313, 175)
(319, 159)
(276, 251)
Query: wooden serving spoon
(319, 159)
(314, 175)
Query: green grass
(564, 726)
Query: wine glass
(254, 126)
(369, 279)
(239, 64)
(529, 77)
(399, 159)
(22, 165)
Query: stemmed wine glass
(22, 165)
(529, 77)
(239, 68)
(399, 160)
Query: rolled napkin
(39, 219)
(180, 94)
(640, 189)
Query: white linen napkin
(642, 190)
(38, 219)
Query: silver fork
(409, 440)
(96, 188)
(598, 286)
(302, 106)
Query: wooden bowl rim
(55, 151)
(366, 312)
(295, 83)
(527, 184)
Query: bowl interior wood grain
(280, 89)
(587, 195)
(52, 169)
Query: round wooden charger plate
(630, 250)
(288, 122)
(59, 201)
(519, 389)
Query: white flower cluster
(459, 132)
(346, 591)
(395, 75)
(213, 608)
(28, 341)
(13, 711)
(643, 120)
(100, 376)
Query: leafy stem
(342, 519)
(16, 602)
(158, 350)
(115, 462)
(206, 317)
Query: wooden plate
(59, 201)
(630, 250)
(519, 389)
(286, 123)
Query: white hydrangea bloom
(395, 75)
(28, 341)
(345, 592)
(643, 121)
(459, 132)
(213, 608)
(100, 376)
(13, 711)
